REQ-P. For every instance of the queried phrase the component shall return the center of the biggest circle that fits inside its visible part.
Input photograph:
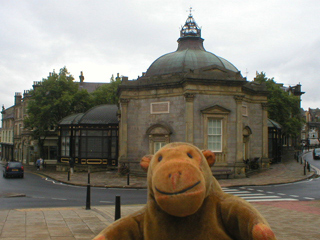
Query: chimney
(81, 77)
(17, 98)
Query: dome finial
(190, 28)
(190, 10)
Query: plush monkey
(185, 202)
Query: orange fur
(186, 202)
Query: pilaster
(189, 116)
(239, 165)
(265, 159)
(123, 130)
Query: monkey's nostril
(170, 175)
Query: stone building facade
(194, 96)
(7, 133)
(17, 142)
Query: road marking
(236, 192)
(309, 198)
(251, 194)
(257, 195)
(272, 200)
(62, 199)
(264, 196)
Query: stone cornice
(264, 106)
(124, 100)
(189, 97)
(238, 98)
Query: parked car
(13, 169)
(316, 153)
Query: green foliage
(283, 107)
(107, 93)
(54, 98)
(58, 96)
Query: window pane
(94, 147)
(215, 135)
(158, 145)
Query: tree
(283, 107)
(107, 93)
(52, 99)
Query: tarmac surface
(290, 220)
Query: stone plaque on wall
(159, 107)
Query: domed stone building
(192, 95)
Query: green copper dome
(189, 55)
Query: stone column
(189, 116)
(265, 159)
(123, 131)
(239, 165)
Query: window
(158, 145)
(215, 134)
(215, 123)
(159, 135)
(65, 143)
(50, 152)
(98, 144)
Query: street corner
(11, 195)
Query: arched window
(159, 135)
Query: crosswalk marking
(309, 198)
(252, 195)
(272, 200)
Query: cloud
(102, 38)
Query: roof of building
(190, 54)
(102, 114)
(273, 124)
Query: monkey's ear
(210, 156)
(145, 162)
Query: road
(300, 191)
(36, 192)
(309, 157)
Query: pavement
(291, 220)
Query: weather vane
(190, 10)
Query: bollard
(69, 175)
(117, 214)
(88, 176)
(308, 166)
(304, 169)
(128, 179)
(88, 200)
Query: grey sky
(101, 38)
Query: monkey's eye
(189, 155)
(159, 158)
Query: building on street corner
(192, 95)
